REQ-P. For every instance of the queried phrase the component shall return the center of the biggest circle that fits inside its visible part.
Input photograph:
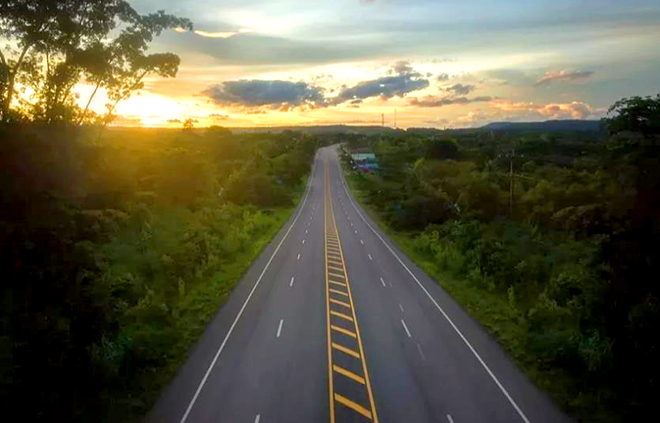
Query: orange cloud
(573, 110)
(563, 75)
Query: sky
(432, 63)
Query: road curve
(332, 323)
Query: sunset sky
(442, 63)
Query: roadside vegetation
(549, 239)
(117, 252)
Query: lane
(257, 357)
(429, 358)
(333, 323)
(349, 386)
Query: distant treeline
(115, 253)
(551, 239)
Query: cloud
(218, 116)
(273, 94)
(173, 121)
(562, 76)
(401, 79)
(442, 77)
(219, 34)
(573, 110)
(401, 67)
(436, 101)
(460, 89)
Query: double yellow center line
(349, 385)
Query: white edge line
(292, 278)
(279, 328)
(382, 281)
(449, 418)
(481, 361)
(370, 257)
(240, 312)
(406, 328)
(256, 419)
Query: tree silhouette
(58, 42)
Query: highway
(333, 323)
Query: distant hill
(321, 129)
(548, 125)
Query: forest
(549, 239)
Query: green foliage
(120, 251)
(550, 240)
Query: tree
(130, 64)
(189, 124)
(57, 42)
(635, 114)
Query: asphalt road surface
(333, 323)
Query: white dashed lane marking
(279, 329)
(419, 348)
(406, 328)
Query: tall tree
(63, 40)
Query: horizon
(440, 65)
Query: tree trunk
(10, 86)
(111, 109)
(89, 101)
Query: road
(333, 323)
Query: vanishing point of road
(333, 323)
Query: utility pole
(511, 156)
(382, 119)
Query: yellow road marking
(348, 374)
(338, 292)
(344, 331)
(336, 268)
(343, 316)
(345, 350)
(355, 406)
(332, 300)
(327, 308)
